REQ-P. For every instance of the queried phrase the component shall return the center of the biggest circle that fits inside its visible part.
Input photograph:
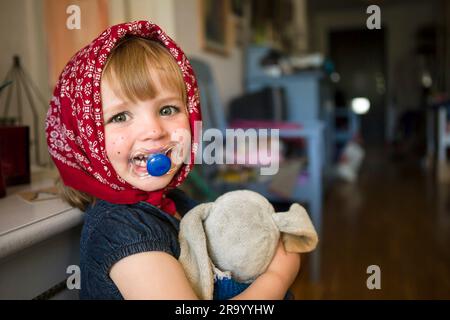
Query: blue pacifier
(154, 163)
(158, 164)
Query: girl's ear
(298, 233)
(194, 256)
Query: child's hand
(285, 265)
(277, 279)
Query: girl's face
(149, 124)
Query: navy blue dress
(112, 232)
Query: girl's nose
(151, 127)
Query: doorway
(359, 58)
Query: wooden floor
(394, 217)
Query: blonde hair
(133, 68)
(75, 198)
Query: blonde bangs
(137, 68)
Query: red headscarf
(74, 123)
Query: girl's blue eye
(120, 117)
(169, 110)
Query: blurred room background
(360, 95)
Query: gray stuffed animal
(237, 235)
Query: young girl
(132, 88)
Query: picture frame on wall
(216, 26)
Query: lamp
(16, 78)
(360, 105)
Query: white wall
(227, 70)
(161, 12)
(180, 20)
(22, 32)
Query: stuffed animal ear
(298, 233)
(194, 255)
